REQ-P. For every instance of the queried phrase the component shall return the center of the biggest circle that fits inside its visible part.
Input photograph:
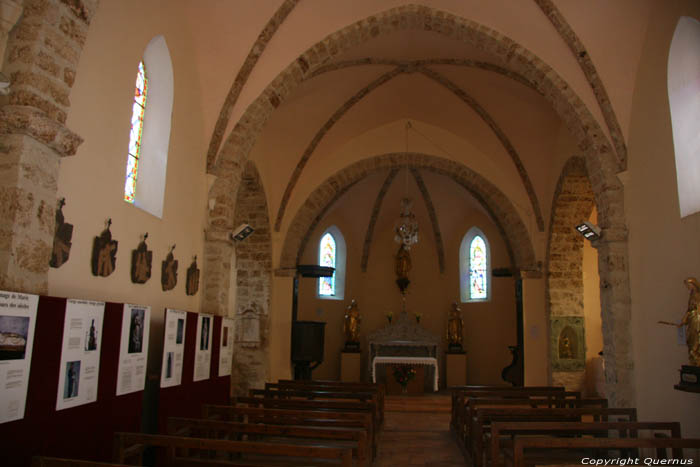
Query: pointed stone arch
(502, 211)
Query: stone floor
(416, 433)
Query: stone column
(43, 53)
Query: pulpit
(404, 341)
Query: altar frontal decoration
(403, 374)
(141, 260)
(104, 253)
(62, 237)
(168, 278)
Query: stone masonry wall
(253, 280)
(43, 51)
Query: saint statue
(691, 321)
(351, 325)
(455, 326)
(403, 265)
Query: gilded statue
(403, 262)
(351, 325)
(455, 326)
(691, 321)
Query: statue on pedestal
(455, 327)
(351, 328)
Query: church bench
(41, 461)
(356, 438)
(503, 435)
(272, 416)
(375, 388)
(522, 458)
(320, 394)
(129, 447)
(459, 421)
(482, 418)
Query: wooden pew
(131, 446)
(484, 416)
(41, 461)
(514, 430)
(460, 421)
(356, 438)
(316, 394)
(524, 443)
(294, 417)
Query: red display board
(186, 399)
(87, 431)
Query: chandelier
(406, 226)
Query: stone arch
(601, 162)
(253, 280)
(500, 208)
(573, 202)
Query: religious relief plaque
(567, 343)
(192, 285)
(61, 239)
(169, 271)
(141, 260)
(104, 253)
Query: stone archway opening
(573, 286)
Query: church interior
(322, 125)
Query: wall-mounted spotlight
(589, 230)
(241, 232)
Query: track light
(589, 230)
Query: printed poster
(202, 352)
(226, 347)
(17, 320)
(80, 353)
(173, 348)
(133, 351)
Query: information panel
(226, 347)
(133, 350)
(17, 321)
(80, 353)
(173, 348)
(202, 353)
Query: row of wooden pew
(289, 423)
(503, 426)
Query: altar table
(428, 361)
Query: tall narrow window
(149, 134)
(474, 267)
(477, 269)
(137, 113)
(331, 252)
(684, 100)
(326, 257)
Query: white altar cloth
(428, 361)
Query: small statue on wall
(62, 238)
(351, 327)
(192, 285)
(691, 321)
(455, 329)
(141, 260)
(168, 277)
(104, 253)
(403, 266)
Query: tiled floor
(416, 433)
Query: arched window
(149, 135)
(475, 267)
(684, 100)
(331, 252)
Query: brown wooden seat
(194, 452)
(355, 438)
(41, 461)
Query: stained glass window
(327, 253)
(137, 112)
(477, 269)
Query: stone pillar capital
(33, 122)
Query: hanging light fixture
(406, 226)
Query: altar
(404, 342)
